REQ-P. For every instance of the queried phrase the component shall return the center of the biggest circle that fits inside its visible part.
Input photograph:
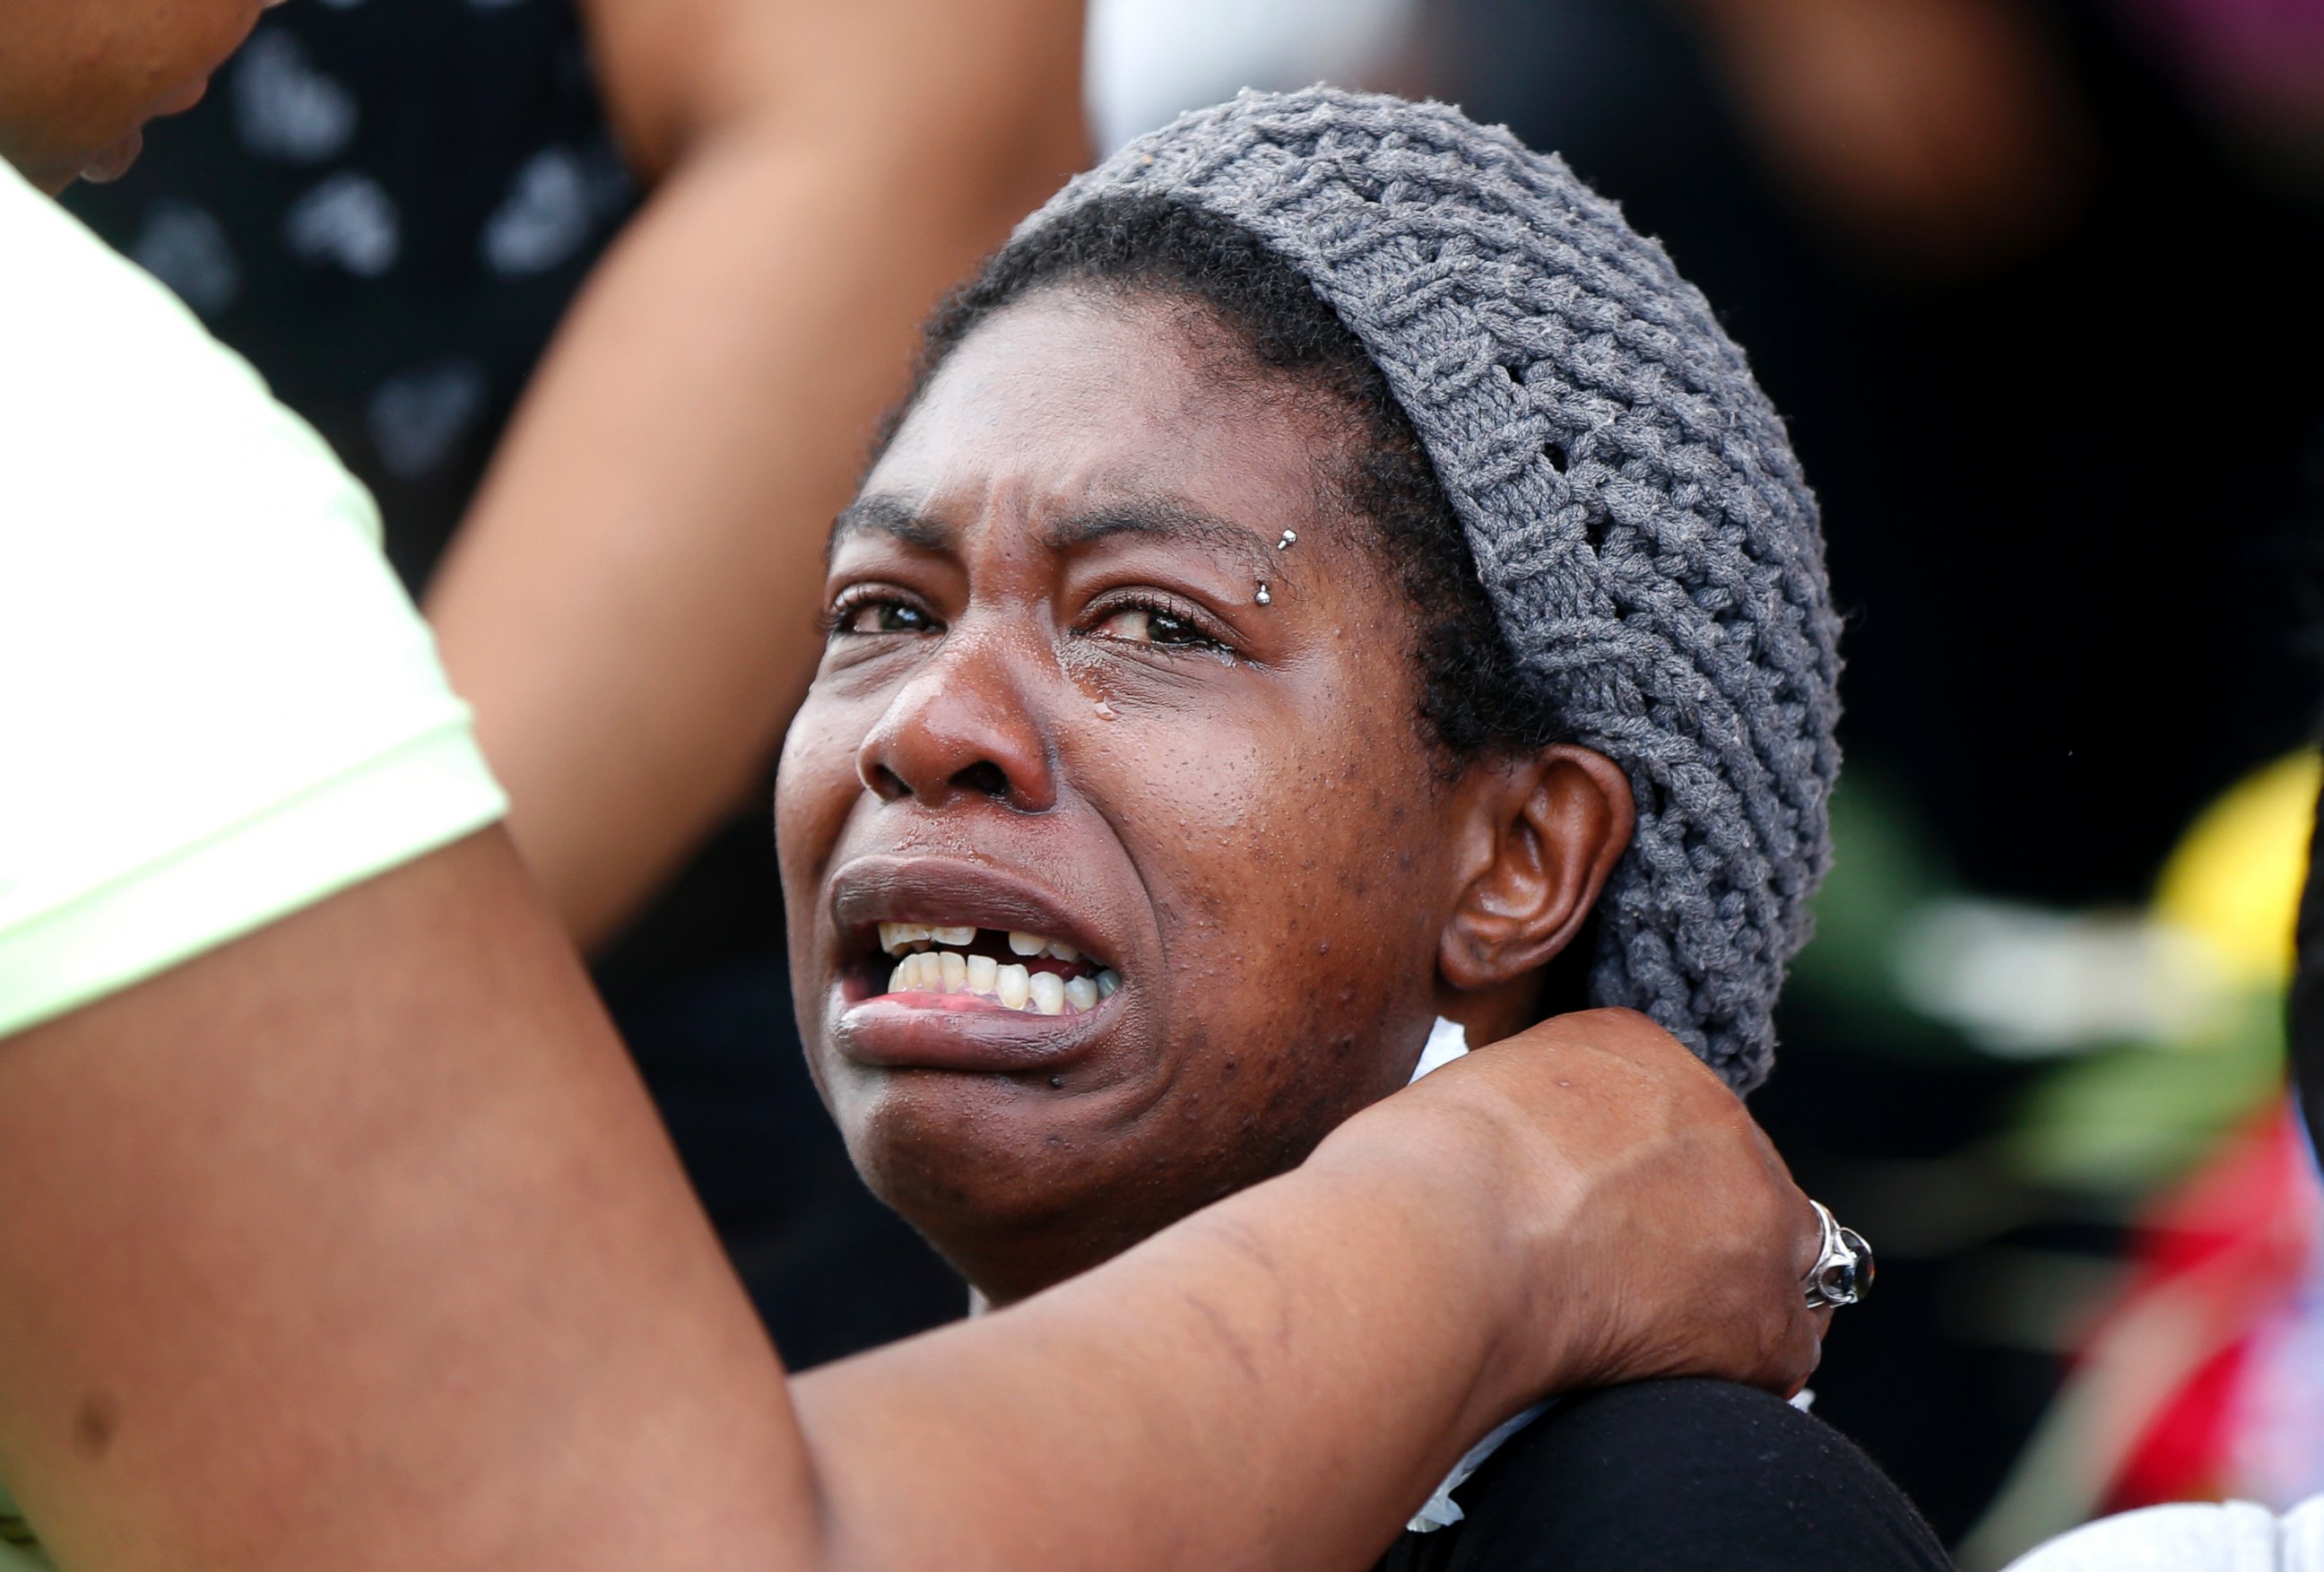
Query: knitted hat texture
(1628, 494)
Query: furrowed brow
(887, 515)
(1168, 520)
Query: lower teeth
(1032, 992)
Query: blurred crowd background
(2040, 286)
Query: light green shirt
(217, 705)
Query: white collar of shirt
(1448, 1041)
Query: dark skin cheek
(1276, 878)
(813, 794)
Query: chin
(1017, 1186)
(1020, 1187)
(948, 1148)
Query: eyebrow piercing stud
(1264, 598)
(1290, 538)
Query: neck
(1068, 1228)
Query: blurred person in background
(600, 300)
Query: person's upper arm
(326, 1191)
(631, 601)
(355, 1243)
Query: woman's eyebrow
(1176, 521)
(889, 516)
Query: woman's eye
(884, 616)
(1146, 624)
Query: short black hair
(1473, 698)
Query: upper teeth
(899, 937)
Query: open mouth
(1029, 973)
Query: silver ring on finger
(1842, 1273)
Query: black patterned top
(386, 205)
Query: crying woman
(1334, 597)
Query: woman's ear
(1545, 832)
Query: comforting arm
(1281, 1381)
(631, 605)
(356, 1240)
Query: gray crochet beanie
(1628, 495)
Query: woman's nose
(960, 728)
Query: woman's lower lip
(950, 1032)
